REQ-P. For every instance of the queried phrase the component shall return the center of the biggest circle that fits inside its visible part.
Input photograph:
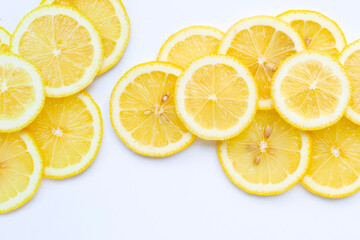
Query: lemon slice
(4, 40)
(335, 168)
(189, 44)
(262, 43)
(311, 90)
(111, 20)
(318, 31)
(21, 169)
(22, 93)
(142, 110)
(63, 44)
(69, 133)
(268, 157)
(216, 97)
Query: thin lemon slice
(189, 44)
(69, 133)
(111, 20)
(335, 168)
(311, 90)
(268, 157)
(63, 44)
(262, 43)
(21, 169)
(142, 110)
(22, 93)
(350, 58)
(318, 31)
(216, 97)
(4, 40)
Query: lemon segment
(4, 40)
(21, 169)
(318, 31)
(261, 43)
(216, 97)
(190, 44)
(69, 133)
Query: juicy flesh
(268, 151)
(64, 130)
(4, 47)
(16, 166)
(60, 48)
(216, 97)
(262, 49)
(336, 155)
(17, 92)
(352, 67)
(147, 110)
(311, 90)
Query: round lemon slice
(21, 169)
(318, 31)
(111, 20)
(69, 133)
(190, 44)
(311, 90)
(262, 43)
(4, 40)
(22, 93)
(335, 168)
(268, 157)
(216, 97)
(63, 44)
(142, 110)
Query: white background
(186, 196)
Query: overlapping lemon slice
(262, 43)
(4, 40)
(268, 157)
(189, 44)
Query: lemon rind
(5, 36)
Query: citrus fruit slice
(216, 97)
(142, 110)
(261, 43)
(268, 157)
(318, 31)
(22, 93)
(63, 44)
(69, 133)
(112, 21)
(335, 168)
(189, 44)
(350, 58)
(21, 169)
(311, 90)
(4, 40)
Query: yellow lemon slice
(335, 168)
(216, 97)
(142, 110)
(22, 93)
(69, 133)
(268, 157)
(4, 40)
(21, 169)
(311, 90)
(189, 44)
(111, 20)
(63, 44)
(262, 43)
(318, 31)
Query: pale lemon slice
(63, 44)
(69, 133)
(335, 168)
(22, 93)
(216, 97)
(111, 20)
(21, 169)
(268, 157)
(190, 44)
(142, 110)
(318, 31)
(262, 43)
(4, 40)
(311, 90)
